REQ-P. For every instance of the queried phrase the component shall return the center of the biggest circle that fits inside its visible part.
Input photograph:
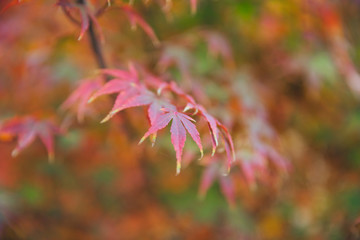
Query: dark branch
(96, 45)
(94, 39)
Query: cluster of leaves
(165, 101)
(132, 92)
(273, 80)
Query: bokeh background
(284, 67)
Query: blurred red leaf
(136, 19)
(80, 97)
(27, 129)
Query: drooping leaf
(214, 126)
(136, 19)
(86, 15)
(229, 145)
(84, 22)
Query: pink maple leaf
(86, 16)
(81, 96)
(27, 129)
(181, 123)
(216, 128)
(135, 19)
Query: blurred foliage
(290, 85)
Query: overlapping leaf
(86, 15)
(131, 92)
(216, 128)
(135, 19)
(79, 98)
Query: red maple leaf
(27, 129)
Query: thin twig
(103, 8)
(94, 39)
(69, 16)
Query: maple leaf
(135, 19)
(181, 123)
(131, 93)
(210, 174)
(172, 86)
(86, 16)
(27, 129)
(216, 128)
(81, 95)
(132, 97)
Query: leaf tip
(178, 168)
(213, 151)
(156, 42)
(51, 157)
(153, 139)
(201, 153)
(15, 152)
(142, 140)
(106, 118)
(80, 37)
(91, 99)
